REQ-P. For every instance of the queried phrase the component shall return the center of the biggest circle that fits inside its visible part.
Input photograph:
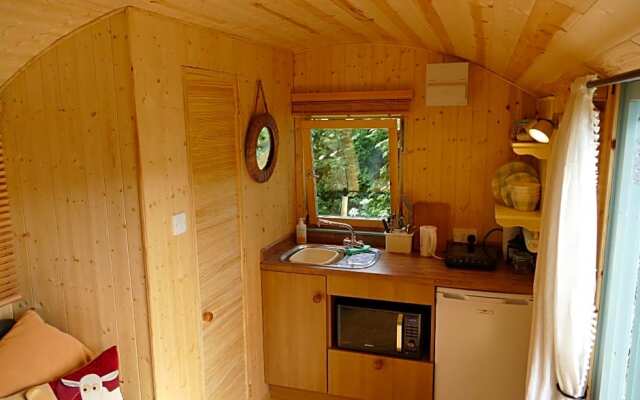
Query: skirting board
(282, 393)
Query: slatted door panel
(211, 117)
(9, 291)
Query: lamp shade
(541, 131)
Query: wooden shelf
(509, 218)
(541, 151)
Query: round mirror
(263, 148)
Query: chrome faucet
(348, 242)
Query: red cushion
(99, 375)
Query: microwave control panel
(412, 330)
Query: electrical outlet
(460, 234)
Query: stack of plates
(524, 196)
(516, 184)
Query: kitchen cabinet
(303, 360)
(371, 377)
(380, 289)
(295, 330)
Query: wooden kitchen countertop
(412, 268)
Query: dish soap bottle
(301, 232)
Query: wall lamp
(541, 130)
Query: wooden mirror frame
(256, 124)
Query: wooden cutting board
(437, 214)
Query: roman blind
(9, 291)
(348, 103)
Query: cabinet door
(370, 377)
(295, 330)
(210, 107)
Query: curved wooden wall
(72, 156)
(95, 136)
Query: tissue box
(399, 242)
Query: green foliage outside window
(353, 163)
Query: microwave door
(371, 330)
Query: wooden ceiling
(535, 43)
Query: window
(351, 169)
(617, 362)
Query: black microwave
(382, 327)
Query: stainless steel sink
(330, 256)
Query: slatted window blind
(9, 291)
(348, 103)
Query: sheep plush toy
(97, 380)
(92, 387)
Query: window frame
(304, 126)
(617, 347)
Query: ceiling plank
(545, 21)
(248, 22)
(411, 14)
(187, 9)
(579, 48)
(433, 19)
(621, 58)
(367, 21)
(508, 18)
(395, 18)
(328, 19)
(480, 16)
(285, 18)
(456, 17)
(536, 43)
(381, 19)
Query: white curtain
(563, 330)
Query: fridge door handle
(483, 299)
(454, 296)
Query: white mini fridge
(482, 345)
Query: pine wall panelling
(72, 168)
(75, 180)
(451, 153)
(160, 47)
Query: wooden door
(295, 330)
(370, 377)
(211, 115)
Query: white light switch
(179, 222)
